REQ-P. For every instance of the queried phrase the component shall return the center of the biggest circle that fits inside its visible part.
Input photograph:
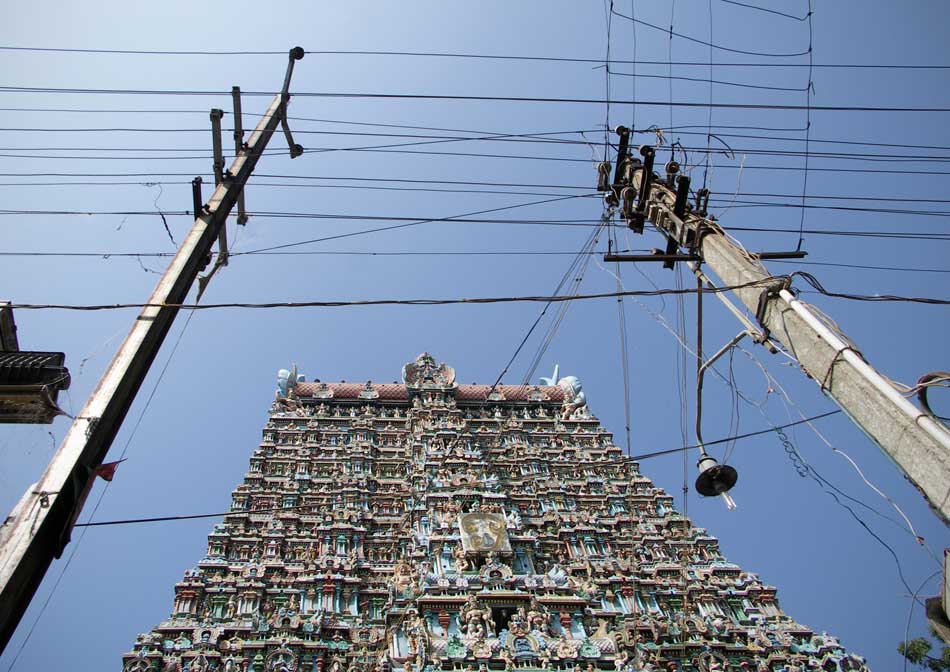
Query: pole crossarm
(916, 442)
(38, 529)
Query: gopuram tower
(435, 526)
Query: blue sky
(188, 447)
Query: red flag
(106, 470)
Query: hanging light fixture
(716, 479)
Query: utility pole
(915, 441)
(39, 527)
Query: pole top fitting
(297, 53)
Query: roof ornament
(425, 373)
(574, 397)
(287, 381)
(552, 381)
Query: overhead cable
(477, 300)
(696, 40)
(511, 99)
(461, 55)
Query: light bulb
(728, 500)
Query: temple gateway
(431, 526)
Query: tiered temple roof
(433, 526)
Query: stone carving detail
(484, 532)
(575, 401)
(286, 382)
(429, 526)
(424, 373)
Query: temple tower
(434, 526)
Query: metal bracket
(223, 254)
(603, 176)
(238, 147)
(295, 55)
(622, 158)
(196, 199)
(754, 332)
(216, 116)
(638, 218)
(768, 292)
(719, 353)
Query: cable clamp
(44, 497)
(826, 379)
(768, 292)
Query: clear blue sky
(193, 440)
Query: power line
(769, 11)
(360, 187)
(313, 177)
(824, 156)
(530, 138)
(846, 208)
(737, 437)
(481, 300)
(537, 138)
(358, 253)
(863, 267)
(813, 281)
(910, 235)
(465, 219)
(811, 140)
(705, 80)
(868, 197)
(511, 99)
(462, 55)
(688, 38)
(102, 256)
(580, 261)
(862, 198)
(412, 222)
(131, 52)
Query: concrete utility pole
(918, 444)
(39, 527)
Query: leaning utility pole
(918, 444)
(39, 527)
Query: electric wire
(105, 255)
(474, 98)
(696, 40)
(589, 244)
(153, 174)
(705, 80)
(910, 612)
(767, 281)
(363, 180)
(462, 55)
(808, 91)
(411, 223)
(769, 11)
(709, 118)
(395, 148)
(746, 435)
(803, 466)
(468, 219)
(376, 180)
